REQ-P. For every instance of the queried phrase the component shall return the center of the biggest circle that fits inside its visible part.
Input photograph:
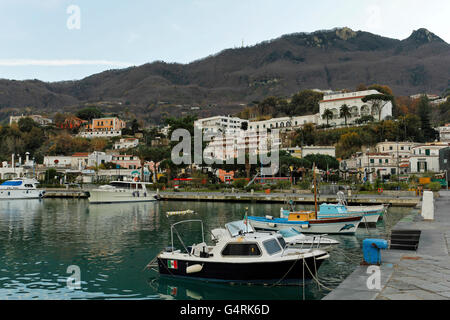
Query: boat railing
(172, 229)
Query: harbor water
(110, 244)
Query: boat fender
(272, 225)
(269, 217)
(194, 268)
(305, 226)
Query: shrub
(434, 186)
(239, 184)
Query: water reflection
(112, 243)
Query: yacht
(122, 191)
(239, 257)
(23, 188)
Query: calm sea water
(112, 243)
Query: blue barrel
(372, 250)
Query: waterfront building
(425, 157)
(444, 133)
(358, 108)
(57, 161)
(301, 152)
(126, 161)
(97, 158)
(400, 152)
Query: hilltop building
(36, 118)
(353, 100)
(103, 128)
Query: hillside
(221, 83)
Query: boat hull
(283, 272)
(370, 217)
(20, 194)
(346, 225)
(99, 196)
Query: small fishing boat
(308, 221)
(292, 237)
(305, 222)
(19, 189)
(173, 213)
(239, 258)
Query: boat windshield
(12, 183)
(289, 232)
(237, 227)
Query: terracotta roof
(80, 154)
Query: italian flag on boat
(172, 264)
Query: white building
(285, 123)
(220, 124)
(126, 143)
(234, 144)
(425, 158)
(58, 161)
(358, 108)
(100, 134)
(97, 158)
(36, 118)
(399, 151)
(444, 133)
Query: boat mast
(315, 190)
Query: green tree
(26, 124)
(424, 110)
(89, 113)
(327, 114)
(345, 112)
(305, 102)
(379, 101)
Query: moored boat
(305, 222)
(291, 236)
(23, 188)
(122, 191)
(240, 258)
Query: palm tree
(327, 114)
(345, 112)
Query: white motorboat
(122, 191)
(240, 258)
(292, 237)
(23, 188)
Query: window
(241, 249)
(427, 152)
(272, 246)
(386, 161)
(380, 160)
(372, 160)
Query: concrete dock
(308, 198)
(66, 194)
(408, 275)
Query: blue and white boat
(20, 189)
(369, 215)
(306, 222)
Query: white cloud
(61, 63)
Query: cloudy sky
(55, 40)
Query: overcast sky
(54, 40)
